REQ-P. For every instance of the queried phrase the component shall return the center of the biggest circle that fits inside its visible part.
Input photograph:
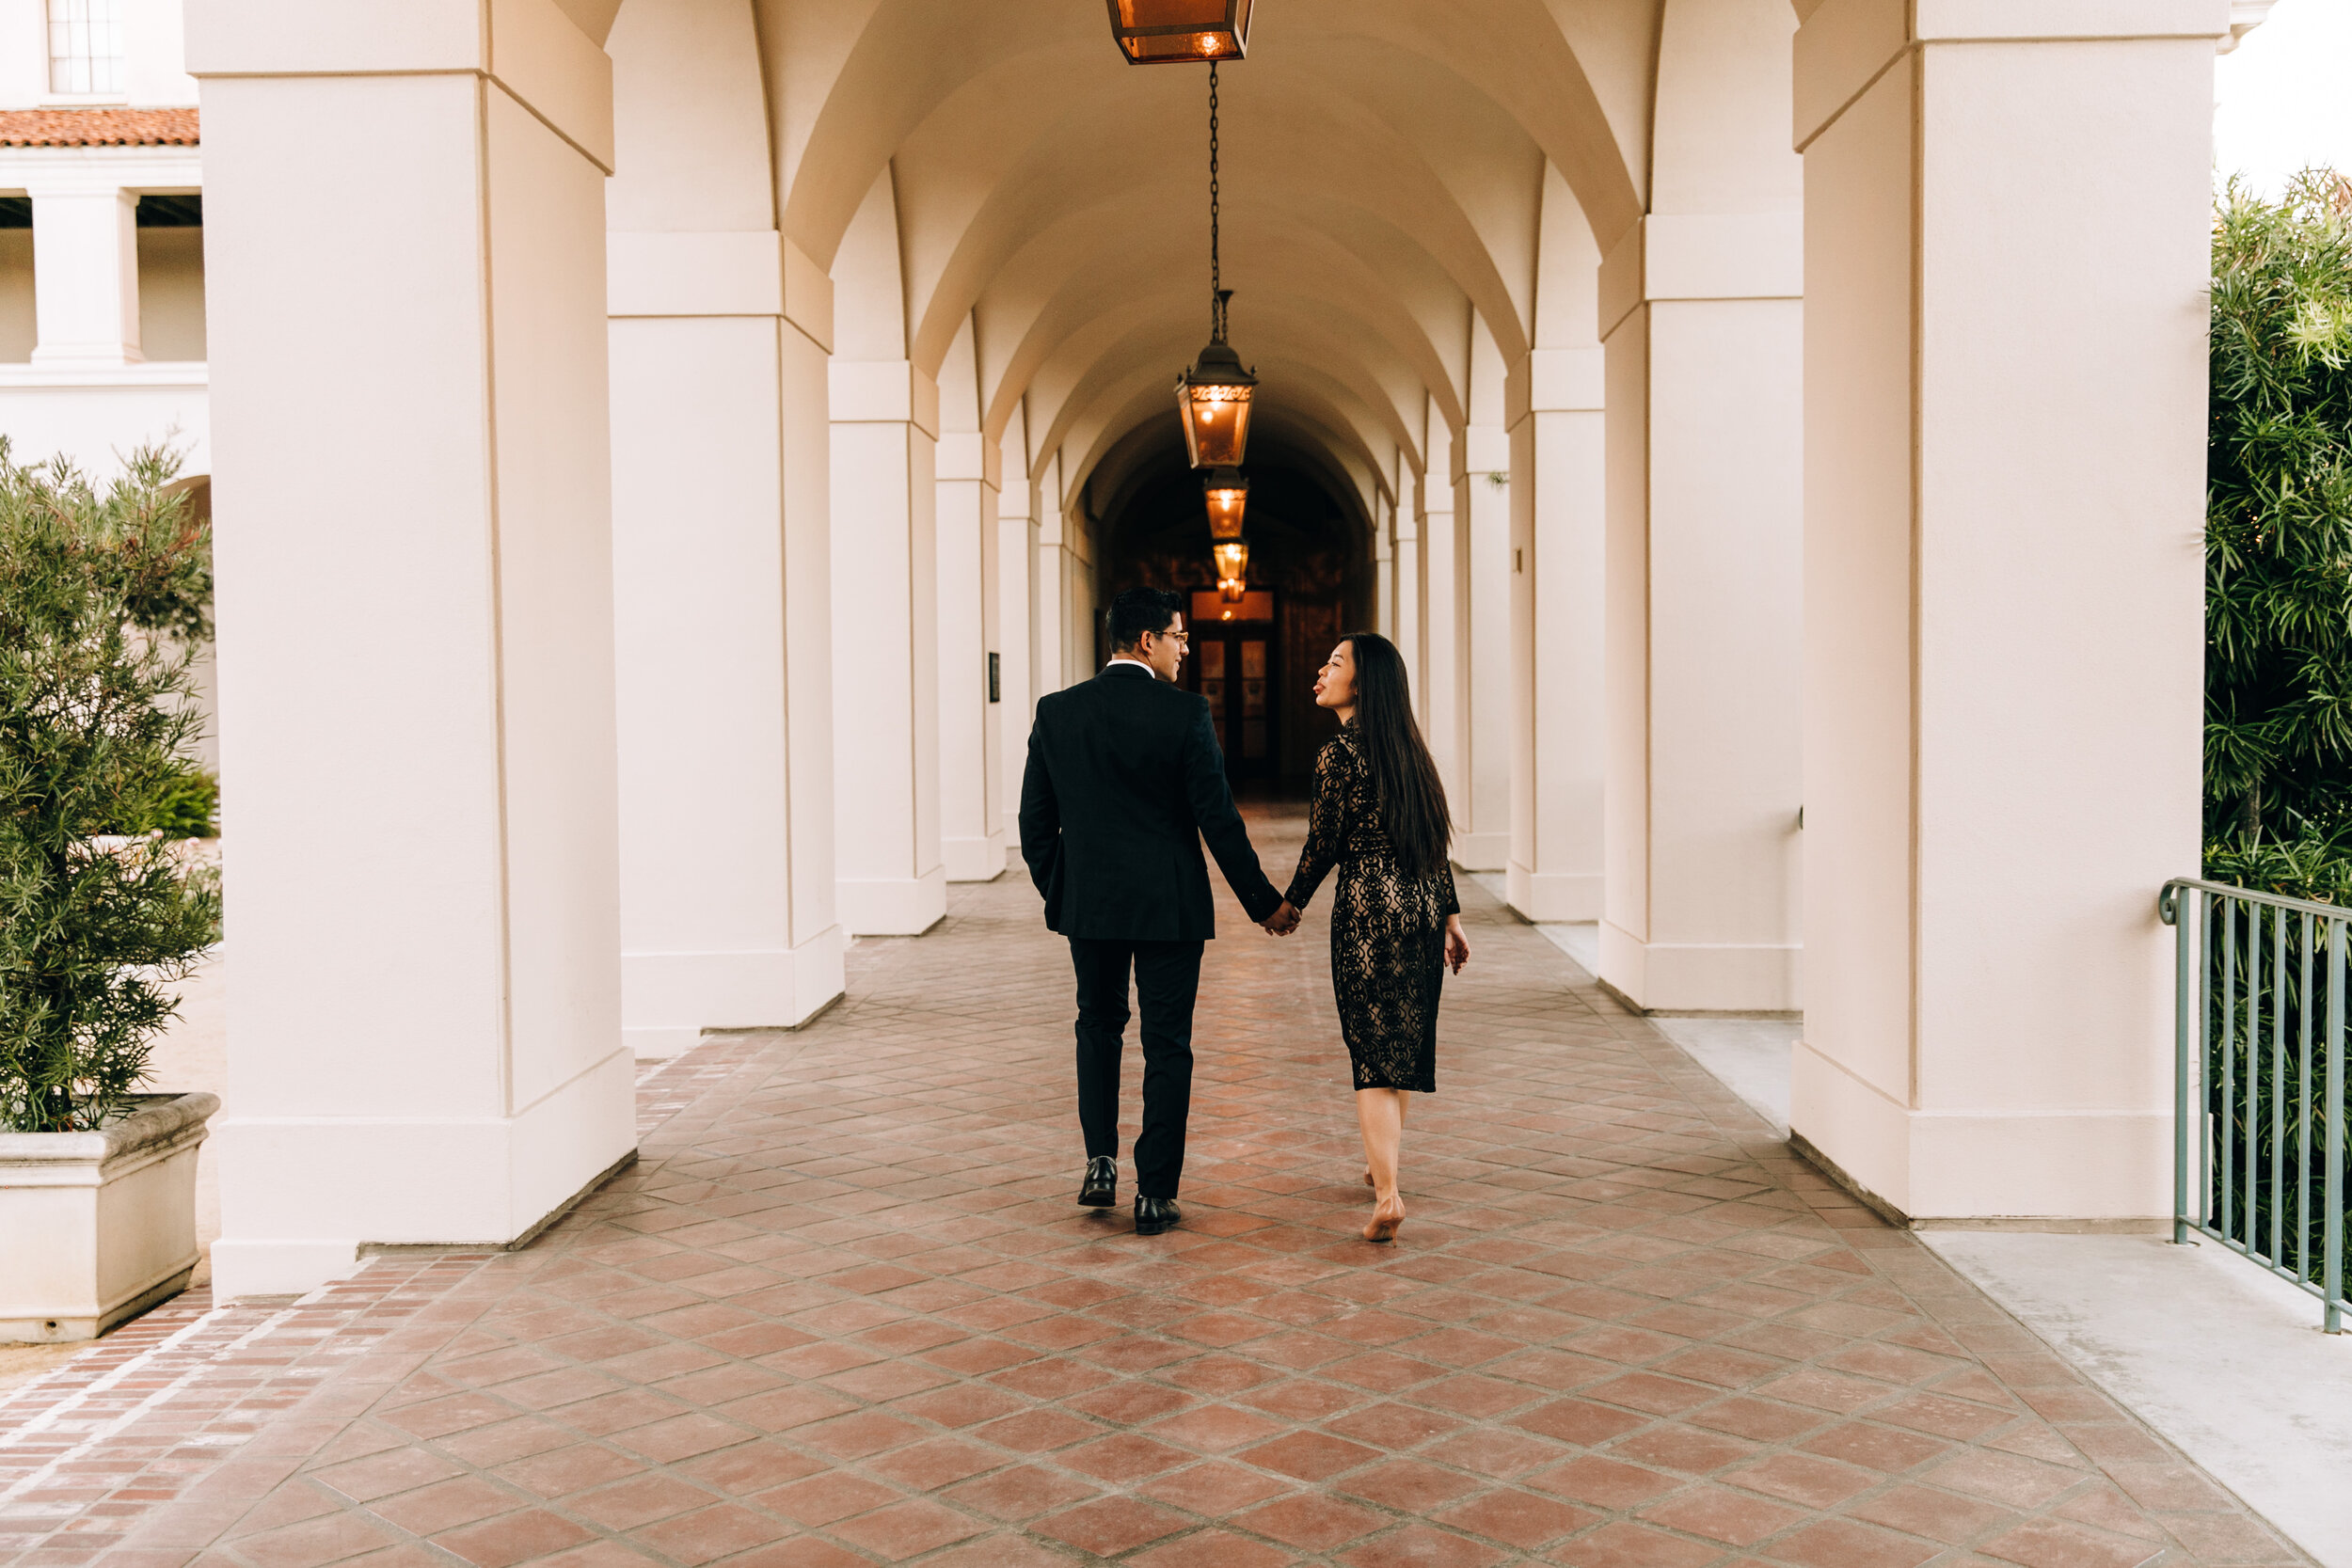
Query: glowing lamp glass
(1172, 32)
(1212, 397)
(1232, 561)
(1227, 496)
(1231, 589)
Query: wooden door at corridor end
(1234, 665)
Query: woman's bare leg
(1403, 1100)
(1380, 1115)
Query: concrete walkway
(844, 1312)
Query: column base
(974, 860)
(669, 999)
(1482, 851)
(2069, 1171)
(1700, 977)
(308, 1192)
(892, 907)
(1549, 898)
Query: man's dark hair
(1141, 609)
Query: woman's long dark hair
(1404, 777)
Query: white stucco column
(1441, 689)
(1482, 523)
(885, 648)
(971, 758)
(416, 628)
(1411, 609)
(1558, 533)
(1016, 636)
(970, 481)
(2006, 249)
(1702, 317)
(1384, 572)
(721, 543)
(86, 270)
(1056, 564)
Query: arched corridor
(1770, 430)
(1312, 575)
(842, 1312)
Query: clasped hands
(1283, 922)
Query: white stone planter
(97, 1226)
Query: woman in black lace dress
(1381, 816)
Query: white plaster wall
(24, 53)
(155, 71)
(92, 417)
(154, 51)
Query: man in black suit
(1124, 781)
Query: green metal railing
(2258, 1160)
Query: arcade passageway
(842, 1311)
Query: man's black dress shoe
(1155, 1214)
(1100, 1188)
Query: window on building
(85, 46)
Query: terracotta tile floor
(845, 1312)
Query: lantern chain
(1216, 293)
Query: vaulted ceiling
(1397, 176)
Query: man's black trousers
(1168, 978)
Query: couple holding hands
(1124, 781)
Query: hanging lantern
(1212, 396)
(1231, 590)
(1233, 562)
(1227, 493)
(1171, 32)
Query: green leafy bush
(102, 602)
(185, 805)
(2278, 543)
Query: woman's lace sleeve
(1325, 825)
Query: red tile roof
(98, 128)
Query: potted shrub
(102, 604)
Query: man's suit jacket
(1124, 781)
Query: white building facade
(1774, 433)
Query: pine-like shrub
(186, 805)
(2278, 543)
(102, 602)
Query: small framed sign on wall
(995, 690)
